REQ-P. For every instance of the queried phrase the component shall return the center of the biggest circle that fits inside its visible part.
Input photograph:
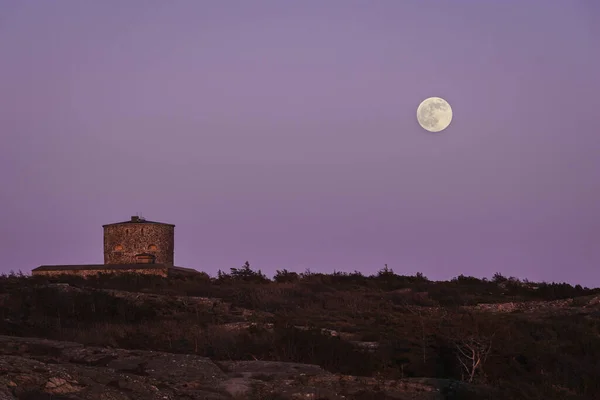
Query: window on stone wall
(153, 247)
(118, 247)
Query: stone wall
(90, 272)
(122, 242)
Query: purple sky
(285, 133)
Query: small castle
(135, 246)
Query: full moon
(434, 114)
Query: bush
(285, 276)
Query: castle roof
(184, 270)
(137, 220)
(115, 267)
(96, 267)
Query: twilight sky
(285, 133)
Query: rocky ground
(33, 368)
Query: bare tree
(472, 353)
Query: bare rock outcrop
(581, 305)
(32, 368)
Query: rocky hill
(39, 367)
(312, 336)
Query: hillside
(241, 335)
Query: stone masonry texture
(124, 241)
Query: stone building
(139, 241)
(134, 246)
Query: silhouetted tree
(285, 276)
(246, 274)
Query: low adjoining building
(135, 246)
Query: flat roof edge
(76, 267)
(137, 223)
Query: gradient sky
(285, 133)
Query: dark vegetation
(423, 327)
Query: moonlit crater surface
(434, 114)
